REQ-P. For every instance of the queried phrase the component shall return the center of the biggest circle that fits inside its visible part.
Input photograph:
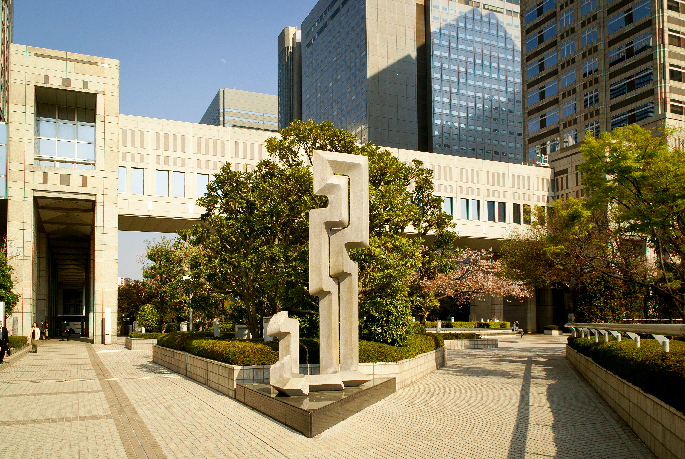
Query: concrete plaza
(522, 400)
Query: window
(516, 217)
(676, 38)
(633, 115)
(539, 154)
(137, 184)
(632, 48)
(675, 5)
(122, 179)
(568, 108)
(162, 183)
(677, 107)
(65, 136)
(589, 35)
(589, 67)
(676, 73)
(475, 209)
(543, 92)
(491, 211)
(542, 64)
(568, 47)
(568, 78)
(538, 10)
(202, 181)
(541, 36)
(629, 16)
(464, 209)
(631, 83)
(502, 212)
(179, 184)
(3, 160)
(570, 137)
(590, 98)
(566, 18)
(447, 206)
(586, 6)
(593, 128)
(544, 120)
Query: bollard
(635, 337)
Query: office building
(592, 65)
(250, 110)
(439, 75)
(289, 76)
(6, 11)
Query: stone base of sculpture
(325, 382)
(353, 378)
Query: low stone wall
(224, 377)
(659, 426)
(454, 344)
(406, 371)
(139, 344)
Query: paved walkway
(522, 400)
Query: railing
(658, 331)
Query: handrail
(659, 331)
(650, 329)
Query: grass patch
(659, 373)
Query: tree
(638, 178)
(147, 317)
(6, 284)
(255, 232)
(131, 296)
(476, 274)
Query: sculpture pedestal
(312, 414)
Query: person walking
(4, 340)
(46, 330)
(35, 336)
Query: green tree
(638, 178)
(131, 297)
(147, 317)
(255, 232)
(6, 284)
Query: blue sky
(174, 55)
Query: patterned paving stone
(522, 400)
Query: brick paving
(522, 400)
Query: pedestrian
(4, 341)
(35, 336)
(42, 329)
(46, 330)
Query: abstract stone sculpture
(284, 374)
(333, 277)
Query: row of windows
(628, 16)
(541, 36)
(541, 64)
(587, 6)
(633, 115)
(543, 92)
(629, 49)
(677, 107)
(538, 10)
(162, 188)
(593, 128)
(675, 5)
(65, 136)
(569, 108)
(543, 120)
(591, 98)
(631, 83)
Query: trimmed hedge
(447, 336)
(17, 341)
(659, 373)
(231, 351)
(145, 335)
(552, 327)
(371, 352)
(448, 324)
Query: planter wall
(454, 344)
(224, 377)
(659, 426)
(139, 344)
(553, 332)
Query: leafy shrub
(492, 325)
(147, 316)
(17, 341)
(231, 351)
(659, 373)
(145, 335)
(417, 328)
(227, 328)
(551, 327)
(448, 324)
(170, 328)
(447, 336)
(370, 352)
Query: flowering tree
(476, 275)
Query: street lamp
(188, 278)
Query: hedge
(659, 373)
(448, 324)
(145, 335)
(447, 336)
(17, 341)
(231, 351)
(371, 352)
(551, 327)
